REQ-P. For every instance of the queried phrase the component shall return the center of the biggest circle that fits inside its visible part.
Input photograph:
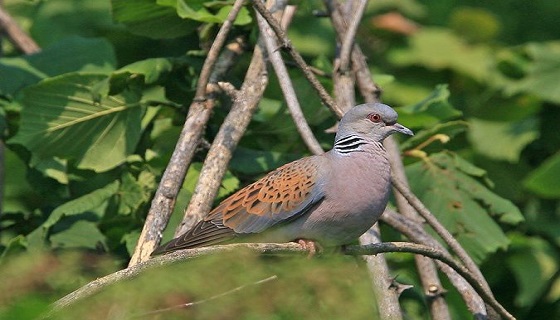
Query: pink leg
(310, 245)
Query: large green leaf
(502, 140)
(545, 180)
(62, 118)
(68, 55)
(457, 193)
(147, 18)
(200, 10)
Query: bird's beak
(402, 129)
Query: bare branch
(172, 179)
(272, 248)
(348, 38)
(16, 35)
(225, 142)
(287, 87)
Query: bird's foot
(311, 246)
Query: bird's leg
(311, 246)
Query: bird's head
(374, 120)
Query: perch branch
(287, 87)
(172, 179)
(271, 248)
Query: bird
(318, 201)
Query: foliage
(90, 122)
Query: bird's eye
(374, 117)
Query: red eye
(374, 117)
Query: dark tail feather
(204, 233)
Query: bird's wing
(282, 195)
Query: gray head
(374, 120)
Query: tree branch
(172, 179)
(215, 165)
(271, 248)
(16, 35)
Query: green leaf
(148, 18)
(431, 110)
(130, 240)
(544, 181)
(135, 192)
(61, 118)
(68, 55)
(253, 162)
(502, 140)
(543, 73)
(81, 234)
(203, 11)
(438, 49)
(457, 193)
(82, 204)
(534, 264)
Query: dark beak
(402, 129)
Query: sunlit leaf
(62, 119)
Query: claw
(311, 246)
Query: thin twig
(214, 297)
(349, 36)
(287, 87)
(271, 248)
(172, 179)
(16, 35)
(323, 94)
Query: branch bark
(16, 35)
(267, 249)
(172, 179)
(245, 103)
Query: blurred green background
(484, 73)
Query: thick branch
(245, 103)
(271, 248)
(172, 179)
